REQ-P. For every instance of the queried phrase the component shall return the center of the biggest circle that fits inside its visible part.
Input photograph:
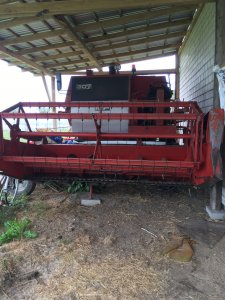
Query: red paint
(187, 155)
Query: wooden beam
(146, 58)
(135, 52)
(23, 60)
(57, 56)
(113, 57)
(140, 41)
(134, 18)
(220, 49)
(18, 21)
(71, 31)
(32, 37)
(220, 33)
(177, 80)
(54, 121)
(44, 48)
(147, 28)
(143, 72)
(68, 63)
(46, 87)
(195, 18)
(77, 6)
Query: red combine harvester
(112, 128)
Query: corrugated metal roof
(43, 42)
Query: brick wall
(197, 60)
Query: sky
(19, 86)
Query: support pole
(177, 80)
(51, 97)
(215, 209)
(46, 87)
(216, 206)
(220, 44)
(54, 100)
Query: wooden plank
(147, 28)
(46, 87)
(220, 33)
(32, 37)
(24, 60)
(71, 31)
(19, 21)
(77, 6)
(68, 63)
(57, 56)
(195, 18)
(144, 72)
(145, 58)
(44, 48)
(220, 48)
(147, 50)
(140, 41)
(134, 18)
(177, 80)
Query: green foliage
(77, 186)
(30, 234)
(20, 202)
(16, 229)
(9, 212)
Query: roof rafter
(147, 50)
(24, 60)
(76, 6)
(140, 41)
(44, 48)
(78, 42)
(32, 37)
(19, 21)
(68, 63)
(71, 71)
(133, 18)
(146, 28)
(57, 56)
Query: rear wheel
(11, 188)
(25, 187)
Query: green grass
(16, 229)
(77, 186)
(9, 212)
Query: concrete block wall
(197, 60)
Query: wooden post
(177, 82)
(216, 208)
(46, 87)
(53, 100)
(220, 44)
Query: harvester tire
(25, 187)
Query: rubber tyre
(26, 187)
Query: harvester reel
(12, 188)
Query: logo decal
(87, 86)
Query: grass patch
(9, 212)
(77, 186)
(16, 229)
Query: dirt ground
(104, 252)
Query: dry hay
(109, 278)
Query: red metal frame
(162, 140)
(175, 149)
